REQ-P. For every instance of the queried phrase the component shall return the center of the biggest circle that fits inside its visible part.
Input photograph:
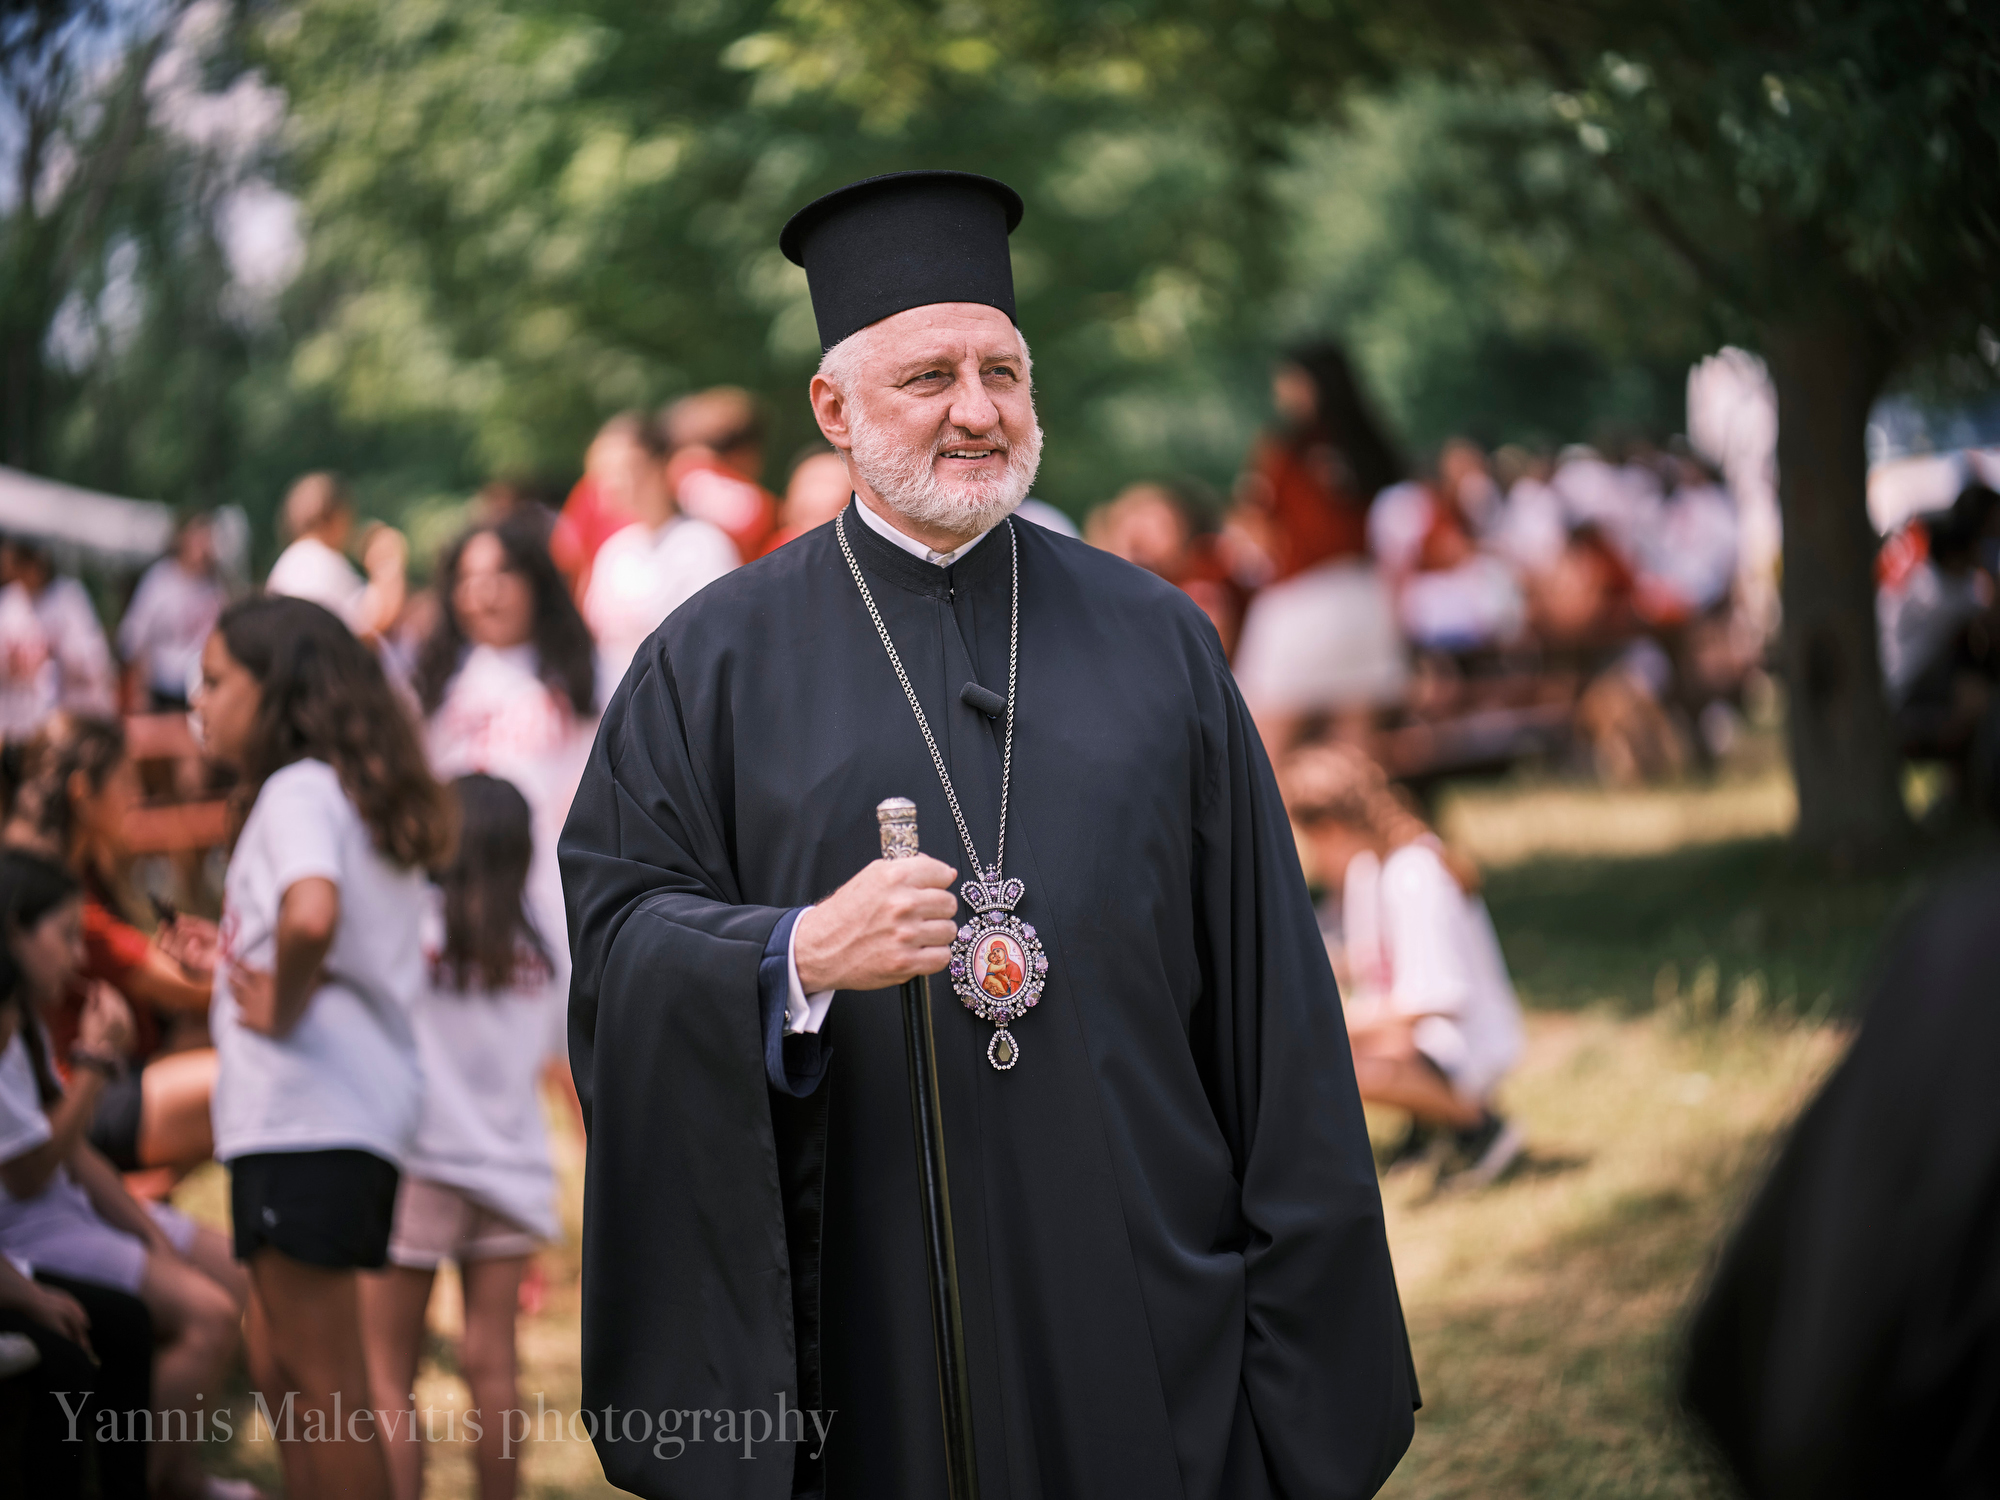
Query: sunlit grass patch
(1510, 822)
(1726, 922)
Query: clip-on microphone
(983, 699)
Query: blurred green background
(429, 243)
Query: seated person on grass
(1431, 1013)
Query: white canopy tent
(105, 528)
(1899, 488)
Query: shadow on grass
(1533, 1165)
(1558, 1383)
(1638, 931)
(1536, 1164)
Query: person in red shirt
(596, 509)
(1165, 529)
(1320, 638)
(716, 438)
(1308, 483)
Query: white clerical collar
(910, 544)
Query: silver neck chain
(979, 872)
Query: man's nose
(971, 408)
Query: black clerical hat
(908, 239)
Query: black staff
(898, 819)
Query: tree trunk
(1828, 367)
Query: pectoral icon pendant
(998, 967)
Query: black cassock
(1170, 1240)
(1848, 1346)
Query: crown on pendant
(992, 894)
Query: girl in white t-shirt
(1431, 1014)
(478, 1185)
(317, 1089)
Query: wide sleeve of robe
(1329, 1388)
(687, 1300)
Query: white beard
(907, 480)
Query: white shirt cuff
(803, 1012)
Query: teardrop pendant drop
(1003, 1051)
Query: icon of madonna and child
(999, 967)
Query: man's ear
(830, 411)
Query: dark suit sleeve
(1328, 1382)
(687, 1297)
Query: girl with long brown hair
(479, 1186)
(337, 818)
(1431, 1014)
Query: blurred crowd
(1359, 595)
(1937, 612)
(1356, 593)
(1388, 622)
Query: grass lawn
(1544, 1312)
(1688, 896)
(1685, 977)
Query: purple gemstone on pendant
(1028, 932)
(965, 932)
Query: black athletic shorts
(325, 1208)
(114, 1129)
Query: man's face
(938, 415)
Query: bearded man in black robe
(1173, 1270)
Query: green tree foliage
(1825, 170)
(1483, 272)
(1828, 171)
(523, 219)
(1525, 214)
(70, 151)
(133, 357)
